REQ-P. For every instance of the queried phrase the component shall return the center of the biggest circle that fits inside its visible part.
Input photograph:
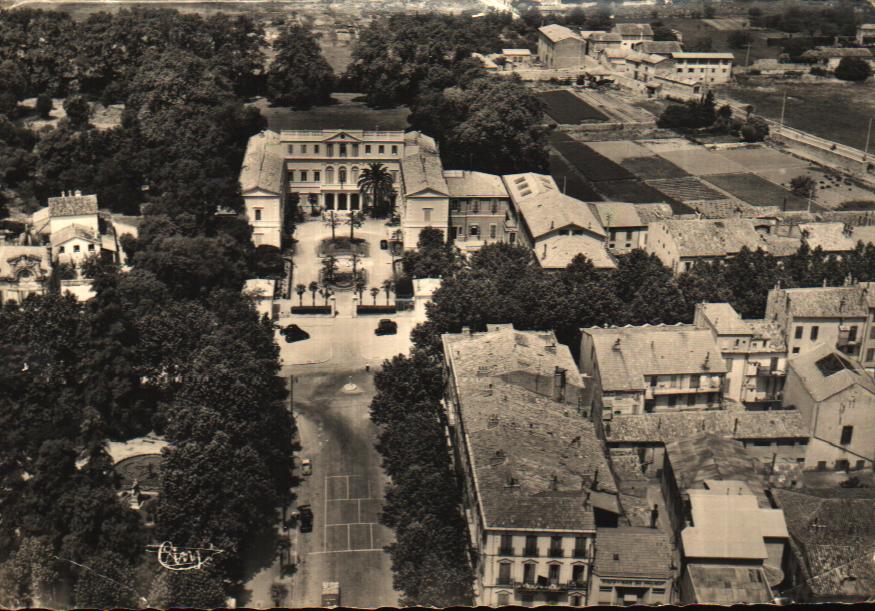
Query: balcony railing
(505, 551)
(546, 585)
(504, 581)
(766, 370)
(555, 552)
(530, 551)
(580, 553)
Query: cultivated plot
(567, 109)
(762, 158)
(699, 161)
(688, 189)
(636, 192)
(758, 191)
(593, 166)
(569, 181)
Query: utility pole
(868, 134)
(810, 195)
(783, 106)
(747, 56)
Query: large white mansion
(472, 208)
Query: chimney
(707, 364)
(654, 516)
(78, 193)
(544, 256)
(466, 331)
(735, 427)
(551, 347)
(617, 344)
(554, 483)
(586, 500)
(595, 480)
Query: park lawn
(758, 191)
(567, 109)
(832, 109)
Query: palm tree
(329, 269)
(360, 286)
(374, 292)
(314, 286)
(388, 286)
(376, 182)
(300, 289)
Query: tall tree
(299, 76)
(376, 184)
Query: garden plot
(569, 181)
(567, 109)
(688, 189)
(758, 191)
(700, 161)
(637, 192)
(831, 190)
(759, 158)
(639, 160)
(590, 164)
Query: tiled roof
(836, 537)
(618, 53)
(659, 46)
(557, 33)
(523, 185)
(606, 37)
(830, 237)
(719, 238)
(533, 458)
(632, 552)
(627, 354)
(421, 166)
(551, 210)
(724, 319)
(262, 167)
(646, 58)
(748, 425)
(728, 585)
(697, 55)
(65, 234)
(633, 29)
(557, 251)
(841, 372)
(462, 183)
(724, 208)
(729, 524)
(705, 456)
(650, 213)
(618, 214)
(769, 332)
(825, 302)
(72, 205)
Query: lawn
(758, 191)
(831, 109)
(570, 181)
(567, 109)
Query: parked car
(294, 333)
(306, 467)
(305, 516)
(386, 327)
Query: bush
(311, 309)
(376, 309)
(754, 130)
(853, 69)
(802, 185)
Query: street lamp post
(783, 106)
(868, 134)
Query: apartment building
(708, 68)
(755, 353)
(536, 477)
(836, 397)
(651, 369)
(480, 210)
(560, 47)
(836, 316)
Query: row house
(555, 226)
(537, 482)
(651, 369)
(560, 47)
(836, 397)
(755, 353)
(480, 210)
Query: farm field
(568, 179)
(687, 189)
(832, 109)
(593, 166)
(699, 161)
(758, 191)
(567, 109)
(832, 191)
(637, 192)
(636, 158)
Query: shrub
(853, 69)
(802, 185)
(755, 129)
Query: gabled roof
(421, 166)
(556, 252)
(463, 183)
(699, 458)
(627, 354)
(659, 47)
(72, 205)
(728, 584)
(533, 457)
(618, 214)
(551, 210)
(557, 33)
(724, 319)
(825, 302)
(633, 552)
(605, 37)
(824, 372)
(719, 238)
(829, 237)
(828, 52)
(262, 168)
(65, 234)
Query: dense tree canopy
(299, 76)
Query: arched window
(329, 175)
(24, 274)
(342, 174)
(355, 173)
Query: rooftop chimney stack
(654, 516)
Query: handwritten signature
(183, 558)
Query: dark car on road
(305, 518)
(294, 333)
(386, 327)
